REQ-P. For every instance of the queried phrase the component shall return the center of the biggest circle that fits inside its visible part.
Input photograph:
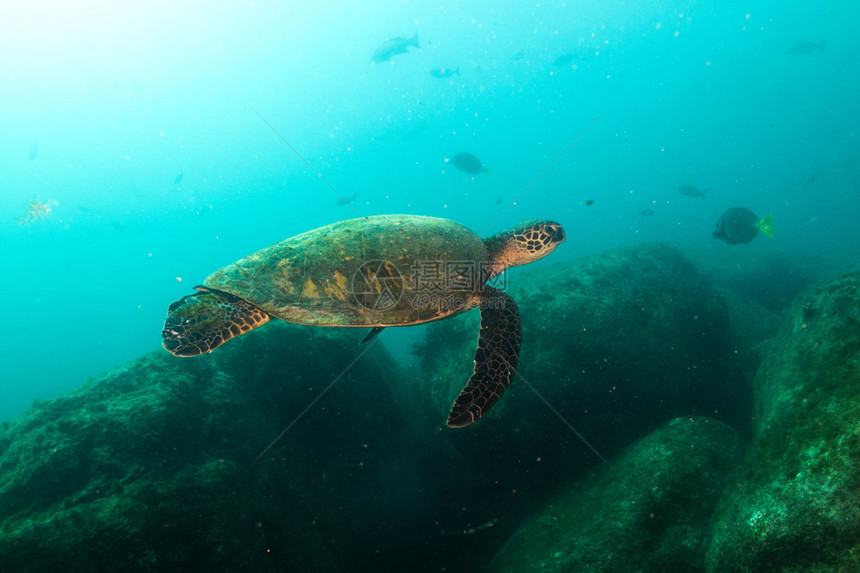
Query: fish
(647, 212)
(34, 151)
(563, 59)
(811, 179)
(347, 199)
(392, 47)
(36, 210)
(691, 191)
(178, 179)
(470, 530)
(805, 47)
(416, 131)
(468, 163)
(739, 225)
(589, 202)
(443, 73)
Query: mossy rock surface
(616, 344)
(647, 511)
(773, 280)
(149, 468)
(795, 505)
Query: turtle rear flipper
(495, 358)
(203, 321)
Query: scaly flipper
(200, 322)
(495, 358)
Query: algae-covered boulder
(795, 502)
(615, 344)
(771, 279)
(752, 326)
(150, 468)
(647, 511)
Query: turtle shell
(385, 270)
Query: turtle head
(203, 321)
(524, 243)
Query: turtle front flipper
(495, 358)
(203, 321)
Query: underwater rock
(752, 327)
(771, 279)
(647, 511)
(794, 503)
(616, 344)
(150, 467)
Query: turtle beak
(556, 231)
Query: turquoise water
(136, 125)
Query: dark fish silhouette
(563, 59)
(647, 212)
(347, 199)
(740, 225)
(811, 179)
(589, 202)
(469, 163)
(416, 131)
(443, 73)
(390, 48)
(805, 47)
(691, 191)
(178, 179)
(34, 151)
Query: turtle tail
(203, 321)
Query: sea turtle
(384, 270)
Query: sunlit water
(136, 125)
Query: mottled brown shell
(384, 270)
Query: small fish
(691, 191)
(563, 59)
(36, 210)
(499, 200)
(518, 56)
(34, 151)
(443, 73)
(390, 48)
(416, 131)
(470, 530)
(811, 179)
(805, 47)
(647, 212)
(740, 225)
(470, 164)
(589, 202)
(346, 200)
(178, 179)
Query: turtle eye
(553, 232)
